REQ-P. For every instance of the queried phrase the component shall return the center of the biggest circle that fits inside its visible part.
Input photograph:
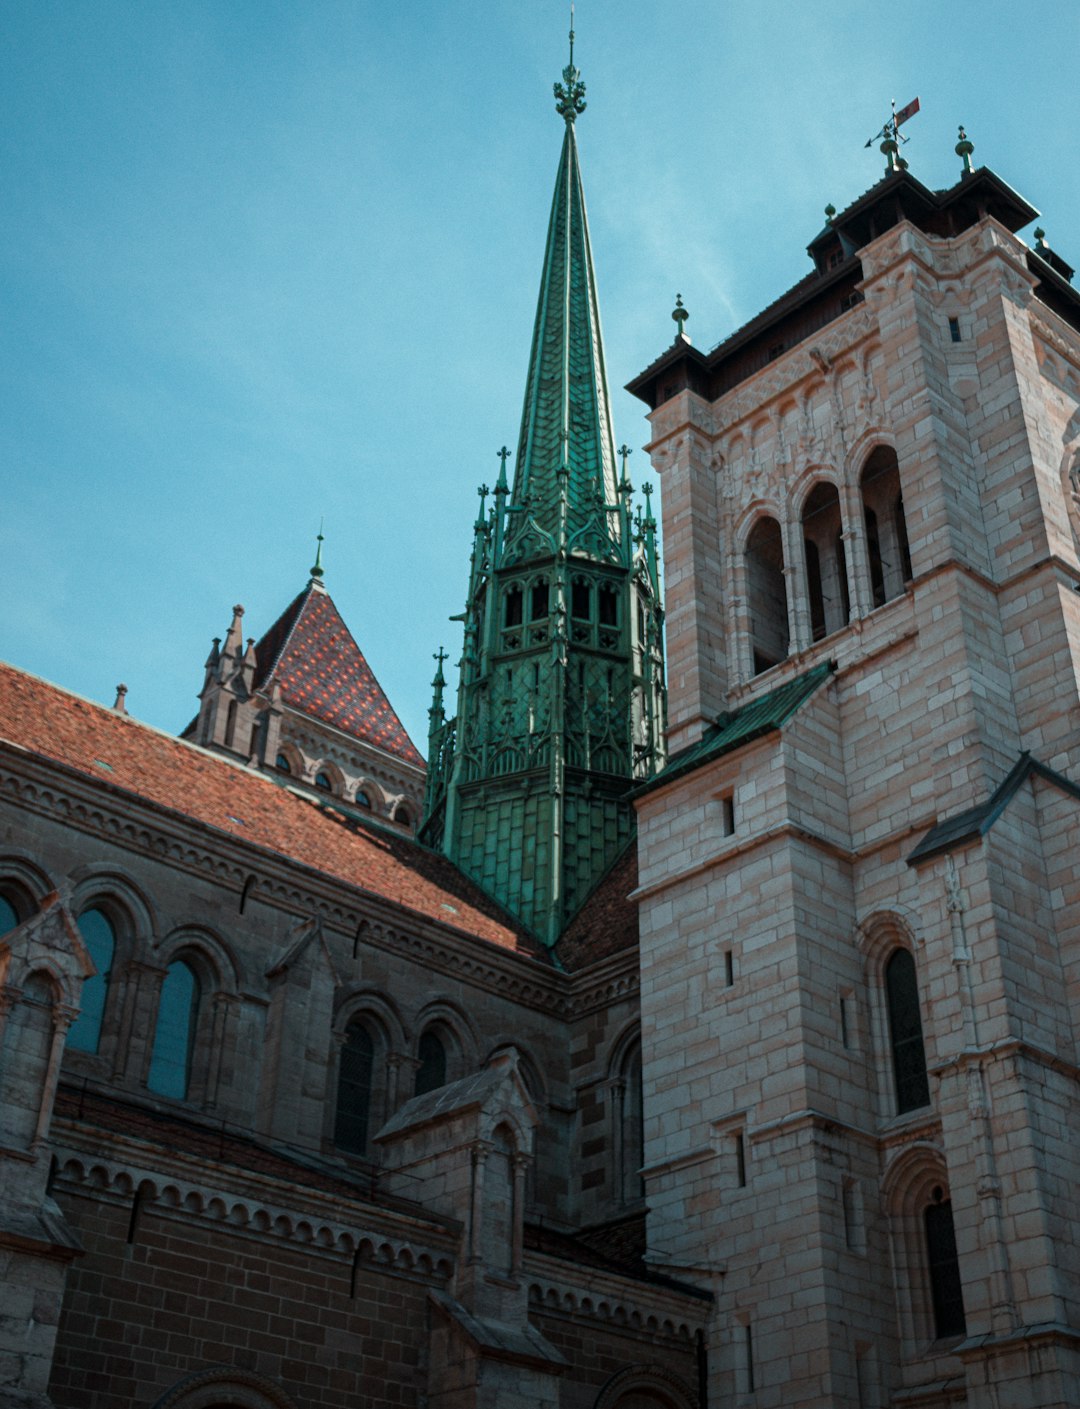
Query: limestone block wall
(779, 1168)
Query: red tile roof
(120, 753)
(608, 921)
(310, 653)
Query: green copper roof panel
(731, 731)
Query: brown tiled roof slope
(608, 921)
(120, 753)
(310, 653)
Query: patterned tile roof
(129, 758)
(311, 654)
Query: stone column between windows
(142, 985)
(221, 1030)
(858, 560)
(63, 1016)
(799, 633)
(522, 1162)
(478, 1153)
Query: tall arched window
(431, 1073)
(886, 527)
(905, 1033)
(826, 567)
(767, 594)
(946, 1291)
(633, 1122)
(174, 1035)
(355, 1074)
(100, 940)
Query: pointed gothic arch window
(910, 1080)
(174, 1032)
(608, 604)
(356, 1068)
(539, 600)
(100, 939)
(581, 599)
(513, 606)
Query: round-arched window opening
(402, 816)
(431, 1073)
(281, 763)
(100, 939)
(362, 799)
(9, 917)
(323, 783)
(174, 1035)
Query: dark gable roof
(130, 759)
(975, 822)
(311, 654)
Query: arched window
(826, 567)
(943, 1265)
(633, 1123)
(8, 916)
(100, 940)
(174, 1035)
(539, 600)
(905, 1033)
(402, 816)
(886, 527)
(323, 783)
(580, 599)
(362, 799)
(355, 1074)
(767, 593)
(281, 763)
(512, 606)
(431, 1073)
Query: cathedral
(698, 1026)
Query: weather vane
(892, 136)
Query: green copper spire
(566, 418)
(561, 692)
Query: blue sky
(269, 262)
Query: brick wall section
(138, 1318)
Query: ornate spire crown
(570, 93)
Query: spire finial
(570, 93)
(680, 315)
(317, 567)
(964, 149)
(624, 485)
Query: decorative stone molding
(177, 1198)
(221, 1384)
(604, 1301)
(646, 1380)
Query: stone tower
(859, 886)
(561, 696)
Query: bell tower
(561, 699)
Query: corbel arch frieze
(556, 1297)
(253, 1216)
